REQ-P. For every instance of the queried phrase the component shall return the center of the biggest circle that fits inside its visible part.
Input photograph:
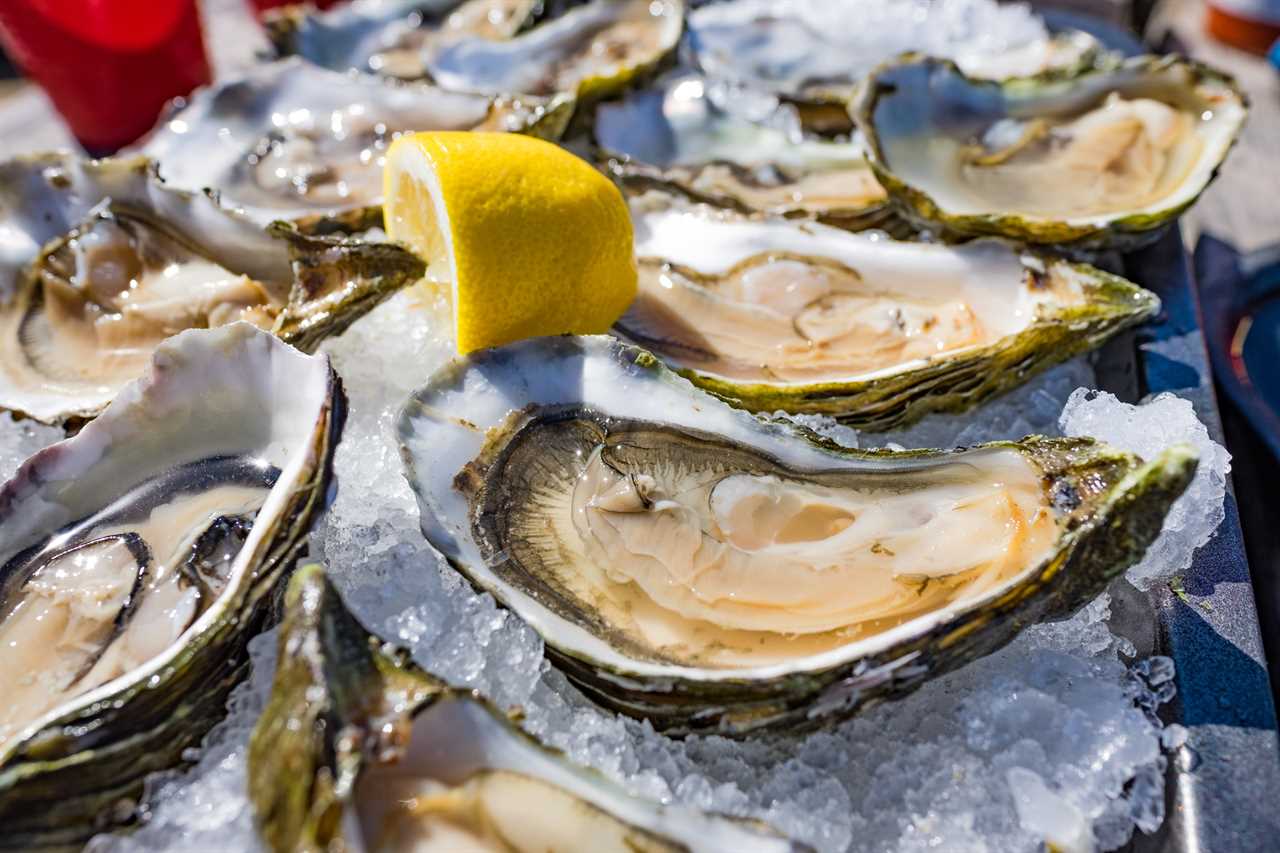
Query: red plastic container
(109, 66)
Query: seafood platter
(865, 527)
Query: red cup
(109, 66)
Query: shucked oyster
(100, 262)
(805, 52)
(359, 749)
(591, 51)
(288, 140)
(797, 48)
(1101, 160)
(391, 37)
(745, 156)
(138, 558)
(688, 563)
(777, 314)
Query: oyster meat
(753, 158)
(591, 51)
(288, 140)
(689, 564)
(780, 314)
(138, 559)
(100, 261)
(359, 749)
(1100, 160)
(391, 37)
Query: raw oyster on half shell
(137, 561)
(692, 565)
(359, 749)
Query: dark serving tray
(1221, 786)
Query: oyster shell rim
(1095, 232)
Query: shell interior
(656, 533)
(136, 544)
(102, 261)
(589, 50)
(717, 149)
(791, 304)
(1131, 145)
(392, 37)
(769, 46)
(288, 140)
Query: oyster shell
(100, 261)
(1100, 160)
(358, 749)
(288, 140)
(138, 558)
(793, 51)
(391, 37)
(787, 50)
(779, 314)
(677, 135)
(692, 565)
(592, 51)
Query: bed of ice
(1052, 739)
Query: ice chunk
(1146, 429)
(1047, 815)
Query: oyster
(358, 749)
(778, 314)
(288, 140)
(748, 157)
(796, 50)
(100, 262)
(692, 565)
(1100, 160)
(138, 558)
(591, 51)
(391, 37)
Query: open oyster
(1100, 160)
(747, 156)
(288, 140)
(138, 558)
(796, 50)
(359, 749)
(591, 51)
(688, 563)
(391, 37)
(778, 314)
(100, 261)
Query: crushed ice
(1061, 716)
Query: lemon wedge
(532, 239)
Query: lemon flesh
(533, 240)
